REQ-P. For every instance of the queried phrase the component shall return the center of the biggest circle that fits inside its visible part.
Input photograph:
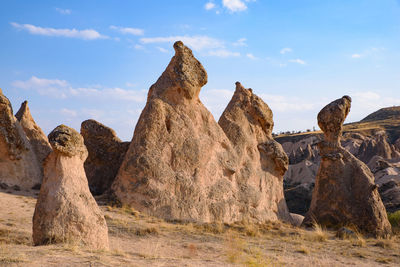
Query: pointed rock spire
(247, 122)
(34, 133)
(180, 164)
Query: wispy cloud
(224, 53)
(126, 30)
(240, 42)
(63, 11)
(251, 56)
(356, 56)
(373, 51)
(56, 88)
(88, 34)
(197, 43)
(286, 50)
(209, 6)
(298, 61)
(162, 50)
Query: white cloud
(63, 11)
(224, 53)
(298, 61)
(125, 30)
(283, 103)
(216, 100)
(286, 50)
(138, 47)
(209, 6)
(88, 34)
(240, 42)
(162, 50)
(234, 5)
(356, 56)
(370, 52)
(62, 89)
(251, 56)
(69, 112)
(197, 43)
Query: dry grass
(140, 240)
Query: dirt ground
(140, 240)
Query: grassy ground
(140, 240)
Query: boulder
(106, 153)
(180, 165)
(65, 210)
(297, 219)
(247, 122)
(345, 192)
(35, 135)
(19, 165)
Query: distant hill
(384, 114)
(387, 119)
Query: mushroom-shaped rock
(106, 153)
(247, 122)
(34, 133)
(331, 119)
(18, 162)
(65, 210)
(180, 164)
(345, 192)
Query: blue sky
(75, 60)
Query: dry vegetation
(140, 240)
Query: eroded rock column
(66, 212)
(345, 193)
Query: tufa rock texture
(18, 163)
(106, 153)
(35, 135)
(345, 192)
(247, 122)
(180, 165)
(65, 210)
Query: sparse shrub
(394, 219)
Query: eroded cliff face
(345, 192)
(247, 121)
(19, 165)
(65, 210)
(180, 165)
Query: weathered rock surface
(65, 210)
(345, 192)
(248, 123)
(35, 135)
(106, 153)
(19, 165)
(180, 165)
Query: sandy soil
(140, 240)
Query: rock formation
(18, 163)
(106, 153)
(65, 210)
(247, 122)
(35, 135)
(180, 165)
(345, 192)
